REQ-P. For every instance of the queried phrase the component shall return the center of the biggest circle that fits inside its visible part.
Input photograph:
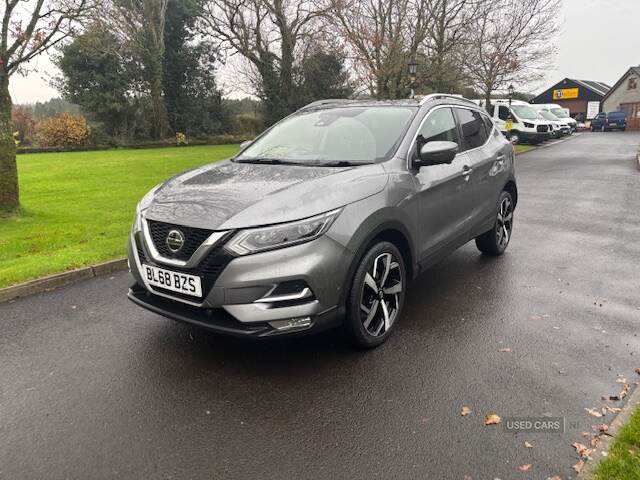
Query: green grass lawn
(78, 207)
(623, 460)
(524, 148)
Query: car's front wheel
(495, 241)
(377, 295)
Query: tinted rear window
(616, 115)
(473, 127)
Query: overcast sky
(599, 41)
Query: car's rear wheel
(495, 241)
(376, 297)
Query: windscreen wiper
(269, 161)
(342, 163)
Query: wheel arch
(391, 231)
(511, 187)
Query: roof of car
(341, 102)
(409, 102)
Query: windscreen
(524, 112)
(547, 115)
(353, 135)
(559, 112)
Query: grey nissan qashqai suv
(322, 219)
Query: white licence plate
(613, 124)
(174, 281)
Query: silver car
(321, 220)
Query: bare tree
(29, 28)
(140, 23)
(512, 42)
(446, 42)
(270, 35)
(381, 36)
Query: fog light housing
(290, 324)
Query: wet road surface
(92, 386)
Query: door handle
(466, 170)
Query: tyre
(495, 241)
(376, 296)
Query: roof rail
(436, 96)
(319, 103)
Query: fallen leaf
(578, 466)
(621, 380)
(613, 409)
(525, 468)
(594, 441)
(528, 445)
(637, 371)
(467, 477)
(581, 449)
(492, 419)
(601, 427)
(504, 350)
(535, 317)
(614, 398)
(593, 412)
(555, 477)
(465, 411)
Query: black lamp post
(413, 70)
(511, 89)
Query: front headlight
(282, 235)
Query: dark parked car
(605, 122)
(322, 219)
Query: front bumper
(219, 321)
(237, 299)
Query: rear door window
(474, 131)
(488, 124)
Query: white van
(560, 112)
(560, 127)
(519, 123)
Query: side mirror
(245, 144)
(437, 153)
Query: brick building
(625, 96)
(574, 94)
